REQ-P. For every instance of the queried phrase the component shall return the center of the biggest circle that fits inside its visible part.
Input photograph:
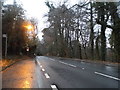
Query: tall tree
(13, 25)
(92, 31)
(102, 18)
(116, 29)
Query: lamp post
(28, 27)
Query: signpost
(5, 36)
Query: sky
(37, 9)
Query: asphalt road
(76, 74)
(46, 72)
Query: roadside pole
(0, 29)
(0, 42)
(5, 36)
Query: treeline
(19, 38)
(80, 31)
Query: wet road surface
(46, 72)
(19, 75)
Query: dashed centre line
(107, 76)
(67, 64)
(83, 68)
(71, 65)
(63, 62)
(54, 86)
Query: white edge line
(54, 87)
(63, 62)
(52, 59)
(83, 68)
(46, 75)
(107, 76)
(43, 69)
(38, 62)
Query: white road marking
(107, 76)
(63, 62)
(52, 59)
(46, 75)
(38, 62)
(53, 87)
(67, 64)
(83, 68)
(43, 69)
(71, 65)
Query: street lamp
(29, 27)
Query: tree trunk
(116, 31)
(80, 51)
(103, 43)
(97, 48)
(92, 33)
(103, 38)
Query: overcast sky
(37, 9)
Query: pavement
(57, 74)
(19, 75)
(10, 60)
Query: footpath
(10, 60)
